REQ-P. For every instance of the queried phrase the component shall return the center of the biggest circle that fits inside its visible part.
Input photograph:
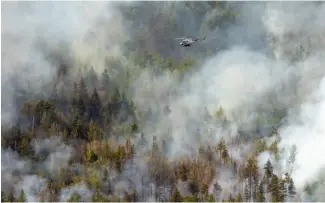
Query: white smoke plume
(249, 82)
(39, 37)
(81, 189)
(244, 78)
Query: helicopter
(188, 41)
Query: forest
(144, 124)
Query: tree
(81, 107)
(3, 196)
(205, 189)
(231, 198)
(193, 187)
(252, 174)
(105, 80)
(176, 196)
(95, 106)
(268, 168)
(211, 198)
(75, 127)
(282, 190)
(92, 78)
(291, 189)
(192, 198)
(260, 193)
(22, 197)
(97, 197)
(105, 175)
(91, 157)
(274, 188)
(274, 148)
(11, 197)
(225, 155)
(239, 198)
(24, 146)
(183, 172)
(54, 95)
(75, 197)
(220, 147)
(82, 90)
(94, 132)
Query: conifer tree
(274, 188)
(260, 193)
(239, 198)
(22, 197)
(24, 146)
(82, 90)
(176, 196)
(225, 155)
(183, 172)
(75, 197)
(211, 198)
(95, 105)
(11, 197)
(291, 189)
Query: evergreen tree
(239, 198)
(105, 175)
(75, 197)
(193, 187)
(211, 198)
(81, 107)
(54, 94)
(22, 197)
(231, 198)
(247, 194)
(11, 197)
(291, 189)
(225, 155)
(92, 156)
(268, 168)
(94, 132)
(95, 106)
(105, 80)
(260, 193)
(183, 172)
(205, 189)
(274, 188)
(282, 190)
(24, 146)
(220, 147)
(96, 197)
(82, 90)
(92, 78)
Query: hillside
(101, 103)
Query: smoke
(16, 175)
(40, 37)
(249, 84)
(268, 63)
(56, 153)
(80, 189)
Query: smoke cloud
(268, 62)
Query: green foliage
(75, 197)
(92, 156)
(22, 197)
(86, 114)
(11, 197)
(190, 199)
(211, 198)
